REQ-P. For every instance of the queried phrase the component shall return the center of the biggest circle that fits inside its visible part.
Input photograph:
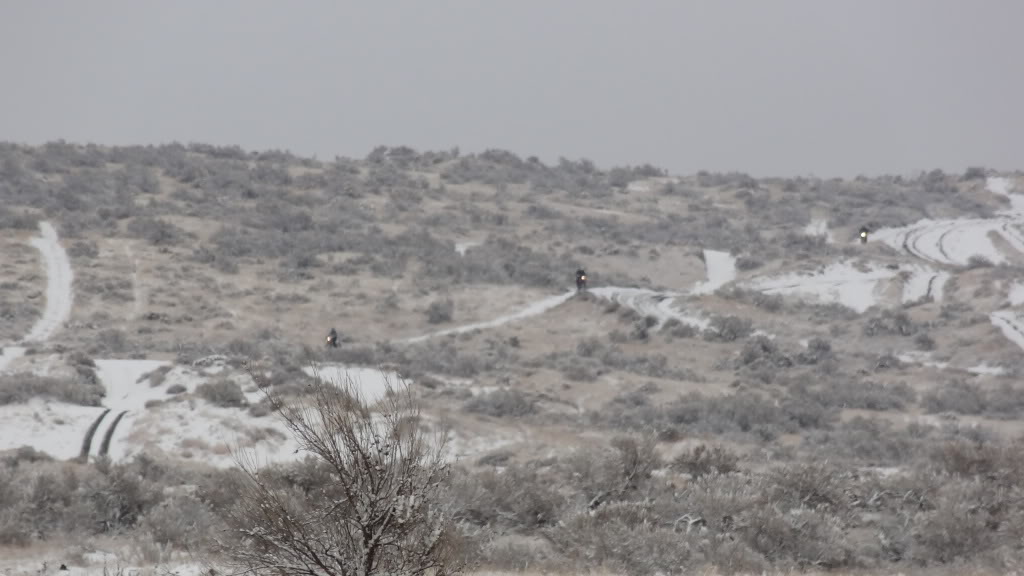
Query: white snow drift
(721, 269)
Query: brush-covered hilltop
(744, 385)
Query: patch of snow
(721, 269)
(124, 391)
(839, 282)
(52, 427)
(638, 186)
(819, 228)
(1016, 295)
(372, 383)
(1010, 324)
(985, 369)
(58, 284)
(9, 355)
(1000, 186)
(461, 247)
(922, 358)
(537, 308)
(194, 430)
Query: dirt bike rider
(581, 279)
(332, 338)
(863, 234)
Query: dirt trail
(58, 293)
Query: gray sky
(769, 87)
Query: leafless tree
(377, 507)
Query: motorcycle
(332, 340)
(864, 235)
(581, 282)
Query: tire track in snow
(954, 242)
(83, 456)
(105, 446)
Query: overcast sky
(769, 87)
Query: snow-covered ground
(121, 379)
(721, 269)
(52, 427)
(954, 241)
(372, 383)
(856, 288)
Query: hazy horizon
(778, 88)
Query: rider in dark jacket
(332, 338)
(581, 279)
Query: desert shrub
(623, 536)
(1004, 401)
(84, 249)
(959, 527)
(679, 329)
(865, 395)
(111, 340)
(701, 461)
(863, 439)
(589, 347)
(156, 231)
(968, 459)
(518, 497)
(176, 389)
(181, 521)
(223, 393)
(977, 261)
(890, 322)
(924, 342)
(373, 492)
(798, 537)
(504, 403)
(21, 387)
(974, 173)
(728, 328)
(762, 351)
(747, 263)
(956, 396)
(498, 457)
(16, 220)
(440, 311)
